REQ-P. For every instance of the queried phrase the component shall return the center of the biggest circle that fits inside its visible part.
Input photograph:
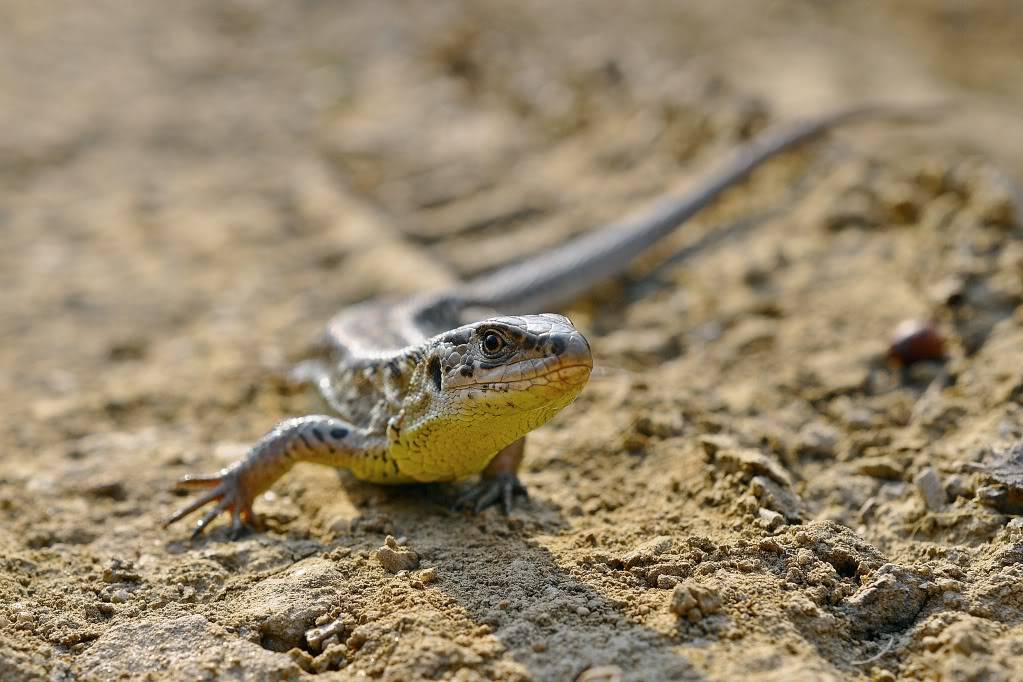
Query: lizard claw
(230, 495)
(503, 488)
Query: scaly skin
(470, 394)
(425, 396)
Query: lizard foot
(502, 487)
(230, 495)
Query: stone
(928, 484)
(693, 601)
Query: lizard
(422, 395)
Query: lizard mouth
(569, 374)
(565, 376)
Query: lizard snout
(572, 348)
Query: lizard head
(483, 386)
(531, 358)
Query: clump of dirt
(749, 486)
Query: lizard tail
(556, 277)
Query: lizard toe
(207, 517)
(500, 488)
(227, 491)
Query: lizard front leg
(499, 482)
(319, 439)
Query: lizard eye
(492, 343)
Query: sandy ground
(189, 190)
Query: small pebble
(316, 637)
(868, 509)
(119, 596)
(805, 557)
(880, 466)
(995, 495)
(914, 341)
(957, 485)
(539, 647)
(582, 611)
(426, 576)
(769, 519)
(693, 601)
(394, 558)
(118, 571)
(647, 551)
(666, 582)
(928, 484)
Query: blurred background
(160, 163)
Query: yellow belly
(453, 447)
(440, 450)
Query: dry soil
(747, 489)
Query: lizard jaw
(565, 377)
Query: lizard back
(371, 353)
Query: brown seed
(916, 340)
